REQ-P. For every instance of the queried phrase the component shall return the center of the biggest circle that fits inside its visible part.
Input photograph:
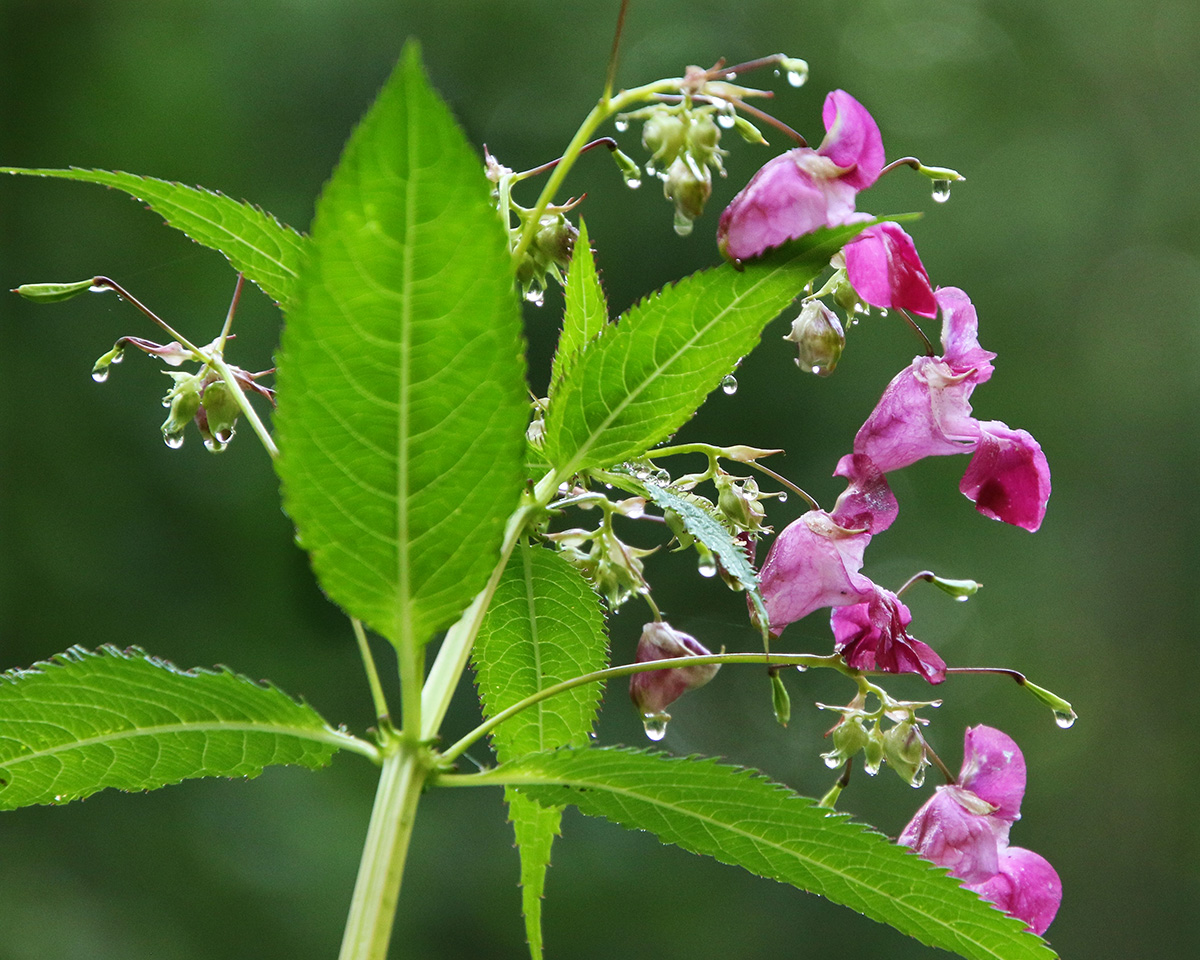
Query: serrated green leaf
(267, 252)
(535, 828)
(702, 522)
(644, 376)
(544, 626)
(741, 818)
(85, 721)
(586, 312)
(402, 402)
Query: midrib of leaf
(535, 635)
(819, 866)
(633, 395)
(331, 737)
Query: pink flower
(654, 690)
(885, 271)
(803, 189)
(815, 560)
(964, 827)
(926, 411)
(873, 635)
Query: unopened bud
(184, 402)
(664, 136)
(653, 690)
(688, 186)
(53, 292)
(221, 411)
(818, 334)
(849, 737)
(905, 752)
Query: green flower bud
(221, 411)
(905, 752)
(184, 402)
(818, 334)
(849, 737)
(664, 136)
(688, 186)
(53, 292)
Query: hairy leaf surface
(85, 721)
(268, 252)
(740, 818)
(402, 404)
(644, 376)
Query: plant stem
(377, 889)
(805, 660)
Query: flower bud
(873, 751)
(184, 401)
(664, 136)
(905, 752)
(218, 415)
(52, 292)
(653, 690)
(849, 737)
(818, 334)
(688, 185)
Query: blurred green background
(1077, 125)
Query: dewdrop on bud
(818, 334)
(652, 691)
(795, 70)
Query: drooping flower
(815, 560)
(885, 271)
(873, 635)
(654, 690)
(965, 826)
(926, 411)
(803, 189)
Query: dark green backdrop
(1077, 126)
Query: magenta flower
(885, 271)
(815, 560)
(803, 189)
(964, 827)
(873, 635)
(926, 411)
(654, 690)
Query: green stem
(264, 435)
(605, 108)
(382, 712)
(377, 889)
(598, 676)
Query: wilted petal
(952, 830)
(1008, 478)
(874, 636)
(852, 139)
(885, 271)
(1025, 886)
(653, 690)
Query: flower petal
(852, 139)
(1025, 886)
(948, 832)
(1008, 478)
(873, 636)
(885, 271)
(994, 770)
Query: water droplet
(833, 759)
(707, 567)
(215, 445)
(60, 798)
(796, 78)
(683, 225)
(941, 191)
(775, 72)
(729, 385)
(731, 75)
(861, 308)
(621, 124)
(962, 598)
(536, 296)
(783, 496)
(1064, 718)
(655, 725)
(117, 357)
(173, 440)
(918, 779)
(632, 183)
(727, 120)
(652, 170)
(883, 311)
(100, 374)
(816, 368)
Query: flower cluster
(925, 411)
(964, 827)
